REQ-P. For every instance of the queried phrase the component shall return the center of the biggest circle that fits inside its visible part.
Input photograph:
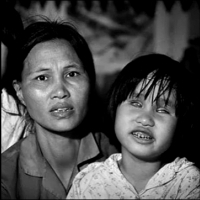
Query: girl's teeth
(142, 136)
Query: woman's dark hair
(169, 74)
(46, 30)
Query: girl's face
(145, 128)
(54, 86)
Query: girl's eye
(41, 78)
(72, 74)
(163, 110)
(136, 104)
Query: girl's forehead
(149, 81)
(157, 89)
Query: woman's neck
(136, 171)
(61, 153)
(59, 150)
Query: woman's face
(55, 87)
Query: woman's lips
(62, 110)
(61, 106)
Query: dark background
(118, 30)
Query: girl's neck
(138, 172)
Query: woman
(55, 83)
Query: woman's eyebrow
(39, 70)
(42, 69)
(73, 65)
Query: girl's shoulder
(179, 169)
(183, 164)
(98, 169)
(93, 179)
(186, 179)
(110, 161)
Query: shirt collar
(34, 163)
(31, 158)
(88, 150)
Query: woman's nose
(146, 119)
(60, 90)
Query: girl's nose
(146, 119)
(60, 91)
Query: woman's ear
(18, 90)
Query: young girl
(150, 104)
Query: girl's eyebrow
(137, 94)
(161, 101)
(169, 102)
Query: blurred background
(119, 30)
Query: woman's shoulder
(11, 154)
(10, 163)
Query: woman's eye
(72, 74)
(41, 78)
